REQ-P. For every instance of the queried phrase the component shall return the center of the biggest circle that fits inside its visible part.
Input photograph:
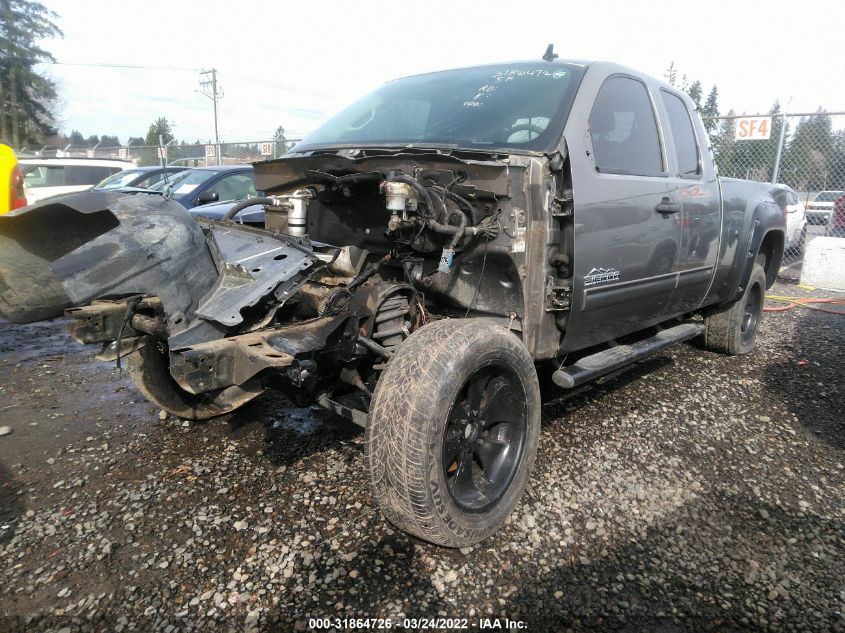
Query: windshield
(828, 196)
(518, 106)
(184, 182)
(120, 179)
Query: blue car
(140, 177)
(206, 185)
(253, 215)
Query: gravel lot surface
(691, 492)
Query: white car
(818, 211)
(46, 177)
(796, 218)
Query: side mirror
(208, 196)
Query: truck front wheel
(732, 328)
(453, 431)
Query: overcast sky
(294, 64)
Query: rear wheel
(148, 367)
(732, 329)
(453, 431)
(802, 241)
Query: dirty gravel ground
(691, 492)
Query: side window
(45, 176)
(624, 131)
(684, 135)
(234, 187)
(152, 180)
(88, 174)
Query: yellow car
(12, 195)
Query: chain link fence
(804, 152)
(189, 154)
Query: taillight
(17, 196)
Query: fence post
(776, 170)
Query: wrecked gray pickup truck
(424, 252)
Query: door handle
(667, 206)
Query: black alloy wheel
(484, 437)
(751, 314)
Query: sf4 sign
(753, 128)
(210, 151)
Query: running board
(609, 360)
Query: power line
(97, 64)
(270, 84)
(260, 82)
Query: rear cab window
(683, 134)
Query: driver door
(626, 234)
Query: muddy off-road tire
(148, 367)
(731, 330)
(453, 431)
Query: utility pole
(211, 89)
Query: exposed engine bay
(360, 249)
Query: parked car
(433, 243)
(12, 195)
(203, 185)
(818, 211)
(836, 223)
(45, 177)
(253, 215)
(142, 177)
(796, 218)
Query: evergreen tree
(109, 141)
(809, 160)
(696, 92)
(837, 161)
(723, 143)
(711, 106)
(281, 142)
(76, 139)
(93, 140)
(28, 100)
(671, 74)
(711, 109)
(160, 127)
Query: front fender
(73, 249)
